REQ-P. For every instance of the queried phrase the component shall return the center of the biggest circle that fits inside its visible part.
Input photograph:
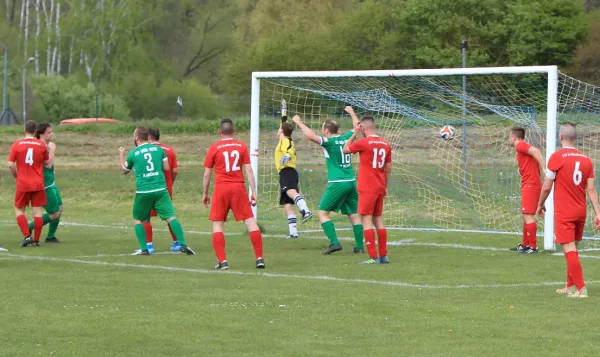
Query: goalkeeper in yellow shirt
(285, 162)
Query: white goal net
(469, 183)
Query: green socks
(140, 234)
(177, 231)
(52, 227)
(45, 217)
(358, 236)
(329, 230)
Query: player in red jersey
(531, 168)
(26, 162)
(170, 176)
(572, 174)
(228, 157)
(373, 176)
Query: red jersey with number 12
(29, 155)
(227, 156)
(570, 170)
(375, 152)
(528, 166)
(172, 158)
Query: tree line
(141, 54)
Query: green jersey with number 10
(147, 162)
(339, 165)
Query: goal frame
(551, 115)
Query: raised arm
(350, 111)
(593, 196)
(251, 181)
(206, 185)
(124, 168)
(351, 139)
(537, 155)
(310, 135)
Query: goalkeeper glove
(285, 159)
(283, 111)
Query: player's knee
(251, 225)
(136, 222)
(528, 218)
(171, 219)
(323, 216)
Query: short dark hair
(518, 131)
(142, 133)
(226, 126)
(287, 129)
(30, 127)
(331, 125)
(154, 134)
(41, 129)
(367, 118)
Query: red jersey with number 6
(375, 152)
(29, 155)
(570, 170)
(227, 156)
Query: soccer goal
(469, 183)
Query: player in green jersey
(341, 194)
(54, 204)
(149, 161)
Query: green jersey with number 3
(147, 161)
(339, 165)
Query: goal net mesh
(469, 183)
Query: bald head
(568, 132)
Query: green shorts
(159, 201)
(340, 196)
(53, 200)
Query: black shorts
(288, 180)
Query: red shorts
(370, 204)
(153, 212)
(568, 230)
(230, 196)
(35, 198)
(530, 197)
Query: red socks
(219, 246)
(256, 239)
(370, 242)
(148, 229)
(530, 235)
(574, 269)
(171, 231)
(38, 224)
(382, 242)
(23, 225)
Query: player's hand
(540, 211)
(253, 199)
(296, 119)
(597, 222)
(348, 109)
(121, 150)
(205, 200)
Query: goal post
(418, 101)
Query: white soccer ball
(447, 132)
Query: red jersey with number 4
(172, 158)
(29, 155)
(570, 170)
(375, 152)
(227, 156)
(528, 166)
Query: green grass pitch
(88, 297)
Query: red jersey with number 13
(375, 152)
(29, 155)
(227, 156)
(570, 169)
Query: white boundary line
(290, 276)
(405, 242)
